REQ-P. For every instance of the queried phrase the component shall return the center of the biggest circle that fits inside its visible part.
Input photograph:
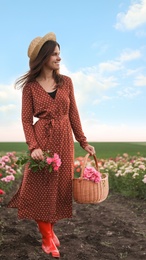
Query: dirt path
(112, 230)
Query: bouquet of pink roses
(50, 163)
(91, 174)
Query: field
(103, 150)
(112, 230)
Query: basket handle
(85, 161)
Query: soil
(112, 230)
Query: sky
(103, 50)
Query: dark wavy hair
(36, 66)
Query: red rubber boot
(54, 237)
(48, 244)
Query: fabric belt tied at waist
(49, 122)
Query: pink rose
(8, 178)
(142, 167)
(92, 178)
(97, 179)
(12, 171)
(90, 173)
(55, 168)
(49, 160)
(5, 158)
(56, 160)
(2, 164)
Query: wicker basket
(89, 192)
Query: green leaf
(50, 169)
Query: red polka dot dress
(42, 195)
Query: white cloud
(14, 133)
(7, 108)
(133, 18)
(9, 94)
(88, 88)
(10, 104)
(118, 63)
(93, 129)
(91, 83)
(98, 132)
(63, 69)
(140, 81)
(132, 72)
(141, 33)
(3, 95)
(109, 66)
(129, 93)
(128, 55)
(88, 83)
(102, 99)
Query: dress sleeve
(27, 118)
(75, 119)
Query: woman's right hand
(37, 154)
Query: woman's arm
(27, 118)
(76, 123)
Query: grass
(104, 150)
(12, 147)
(112, 149)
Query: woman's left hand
(90, 149)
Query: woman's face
(54, 61)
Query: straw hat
(37, 43)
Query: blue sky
(103, 50)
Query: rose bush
(8, 172)
(127, 174)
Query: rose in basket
(91, 174)
(78, 163)
(50, 163)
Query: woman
(49, 96)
